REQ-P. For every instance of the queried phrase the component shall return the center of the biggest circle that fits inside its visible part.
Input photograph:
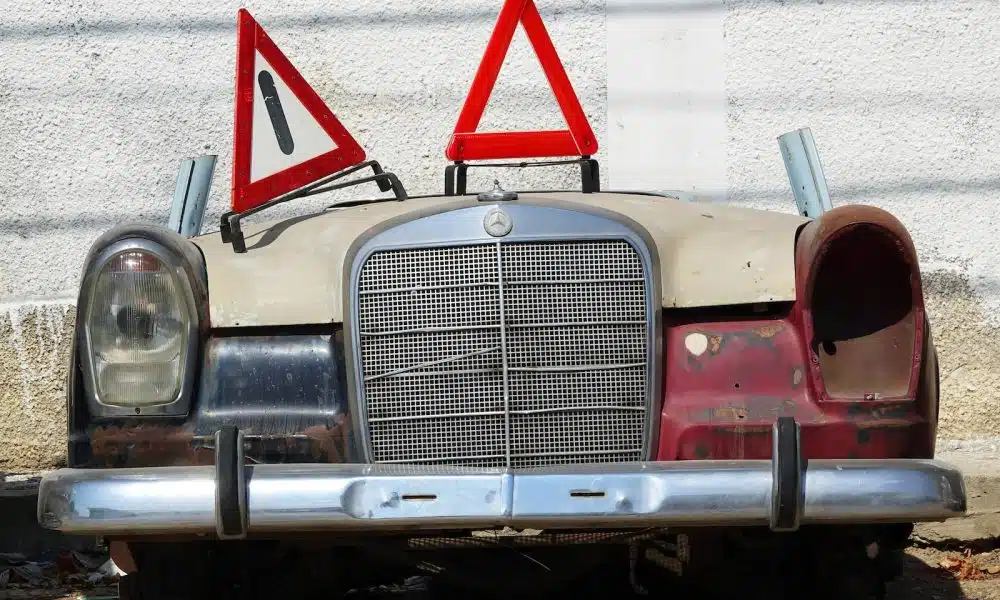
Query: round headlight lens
(138, 327)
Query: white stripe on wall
(666, 96)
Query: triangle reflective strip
(284, 135)
(468, 144)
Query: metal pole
(805, 172)
(194, 180)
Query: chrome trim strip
(507, 411)
(539, 220)
(503, 355)
(573, 368)
(434, 363)
(287, 498)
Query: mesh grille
(561, 327)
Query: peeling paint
(797, 375)
(696, 343)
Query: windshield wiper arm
(386, 180)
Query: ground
(934, 570)
(926, 579)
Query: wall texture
(102, 99)
(901, 97)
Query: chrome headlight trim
(181, 271)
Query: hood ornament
(497, 222)
(497, 194)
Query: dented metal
(373, 498)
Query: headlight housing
(140, 330)
(862, 304)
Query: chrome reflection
(385, 497)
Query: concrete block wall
(101, 100)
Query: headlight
(140, 327)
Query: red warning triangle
(467, 144)
(284, 135)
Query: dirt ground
(926, 579)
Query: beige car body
(293, 271)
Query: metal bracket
(805, 172)
(787, 476)
(194, 181)
(229, 227)
(456, 175)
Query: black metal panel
(286, 393)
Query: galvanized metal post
(805, 172)
(194, 180)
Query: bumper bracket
(786, 459)
(231, 488)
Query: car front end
(573, 364)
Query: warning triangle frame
(246, 195)
(469, 144)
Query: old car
(503, 389)
(568, 362)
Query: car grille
(505, 354)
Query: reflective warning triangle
(284, 135)
(468, 144)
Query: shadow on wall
(389, 19)
(368, 18)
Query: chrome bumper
(288, 498)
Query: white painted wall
(100, 100)
(904, 99)
(667, 95)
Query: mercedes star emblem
(497, 222)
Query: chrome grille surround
(538, 348)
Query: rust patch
(769, 331)
(744, 430)
(730, 413)
(755, 336)
(883, 424)
(863, 430)
(755, 409)
(866, 418)
(860, 413)
(146, 445)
